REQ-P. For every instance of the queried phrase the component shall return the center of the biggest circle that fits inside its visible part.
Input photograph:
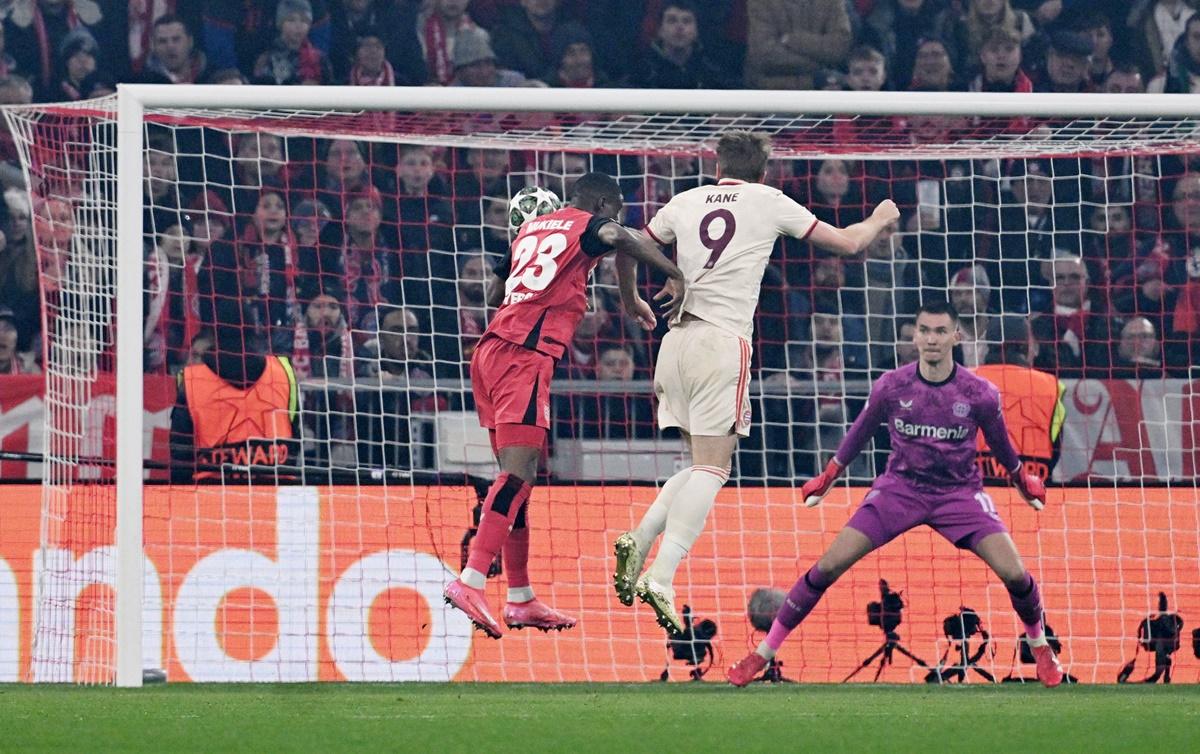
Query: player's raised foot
(536, 614)
(474, 604)
(746, 669)
(1049, 671)
(629, 567)
(662, 599)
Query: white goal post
(717, 109)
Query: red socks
(505, 500)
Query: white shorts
(702, 380)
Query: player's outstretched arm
(852, 444)
(852, 239)
(632, 247)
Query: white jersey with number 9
(723, 237)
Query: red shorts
(511, 386)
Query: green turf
(610, 718)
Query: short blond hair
(743, 154)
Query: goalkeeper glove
(816, 488)
(1031, 488)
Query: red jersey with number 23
(545, 273)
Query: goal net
(357, 245)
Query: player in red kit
(545, 279)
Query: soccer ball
(531, 202)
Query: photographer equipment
(886, 614)
(1158, 633)
(764, 604)
(693, 647)
(959, 628)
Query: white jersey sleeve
(723, 236)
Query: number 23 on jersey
(534, 265)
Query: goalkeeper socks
(685, 520)
(804, 594)
(1027, 601)
(655, 519)
(516, 558)
(505, 498)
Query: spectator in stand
(675, 58)
(8, 64)
(161, 189)
(891, 281)
(895, 27)
(971, 297)
(1182, 75)
(475, 62)
(292, 57)
(19, 282)
(76, 61)
(835, 197)
(392, 23)
(173, 57)
(1102, 64)
(906, 349)
(611, 416)
(36, 31)
(343, 171)
(579, 361)
(1075, 338)
(370, 66)
(238, 32)
(309, 219)
(13, 361)
(182, 281)
(201, 344)
(1125, 78)
(459, 322)
(866, 70)
(227, 77)
(788, 42)
(985, 17)
(572, 62)
(133, 32)
(1146, 294)
(559, 171)
(437, 28)
(1030, 231)
(480, 172)
(322, 347)
(258, 163)
(1067, 64)
(1139, 354)
(932, 69)
(1109, 247)
(838, 316)
(523, 36)
(1000, 57)
(1157, 26)
(492, 235)
(366, 258)
(425, 215)
(1180, 242)
(269, 263)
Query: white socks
(473, 578)
(520, 593)
(685, 520)
(655, 519)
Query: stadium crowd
(366, 260)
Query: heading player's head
(743, 155)
(598, 194)
(936, 332)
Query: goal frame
(134, 99)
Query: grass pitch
(614, 718)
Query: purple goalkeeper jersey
(932, 427)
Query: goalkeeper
(933, 411)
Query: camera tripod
(884, 654)
(967, 661)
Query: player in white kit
(723, 236)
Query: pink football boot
(474, 604)
(1049, 671)
(747, 669)
(536, 614)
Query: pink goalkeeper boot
(474, 604)
(536, 614)
(1049, 671)
(747, 669)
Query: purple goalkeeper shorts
(893, 506)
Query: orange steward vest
(1031, 401)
